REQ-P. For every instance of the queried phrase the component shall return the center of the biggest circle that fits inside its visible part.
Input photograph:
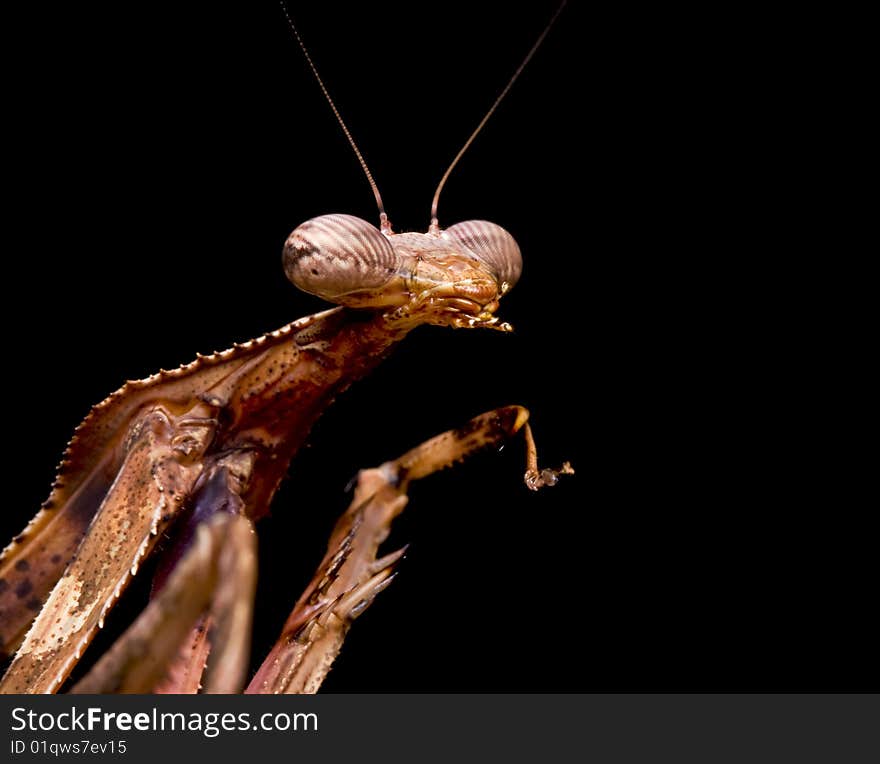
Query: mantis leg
(350, 575)
(159, 470)
(209, 589)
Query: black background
(158, 156)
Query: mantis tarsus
(173, 441)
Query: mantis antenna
(435, 225)
(384, 224)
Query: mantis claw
(536, 480)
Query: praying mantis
(176, 432)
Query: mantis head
(452, 277)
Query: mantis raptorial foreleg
(350, 575)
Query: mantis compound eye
(492, 245)
(340, 258)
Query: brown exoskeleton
(203, 448)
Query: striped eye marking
(339, 258)
(491, 245)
